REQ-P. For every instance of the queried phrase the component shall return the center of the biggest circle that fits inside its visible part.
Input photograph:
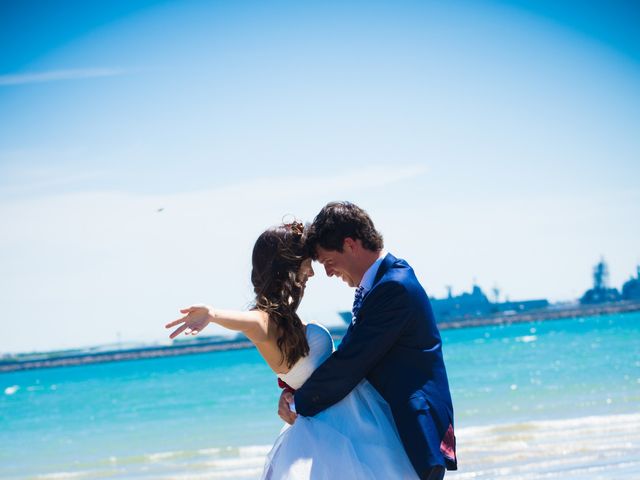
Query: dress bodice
(320, 347)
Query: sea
(558, 399)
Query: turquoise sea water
(214, 415)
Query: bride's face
(305, 272)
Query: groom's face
(339, 264)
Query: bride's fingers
(178, 331)
(186, 310)
(194, 332)
(174, 323)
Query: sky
(144, 145)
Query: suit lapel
(384, 267)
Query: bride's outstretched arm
(253, 323)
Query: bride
(356, 437)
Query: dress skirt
(354, 439)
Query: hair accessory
(296, 227)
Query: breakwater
(61, 359)
(543, 314)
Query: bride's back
(320, 347)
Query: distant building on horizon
(601, 292)
(631, 288)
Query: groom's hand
(286, 399)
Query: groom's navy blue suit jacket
(394, 343)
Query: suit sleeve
(383, 317)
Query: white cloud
(57, 75)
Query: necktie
(357, 303)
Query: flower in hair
(296, 227)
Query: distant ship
(474, 308)
(474, 305)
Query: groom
(392, 341)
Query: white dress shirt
(370, 275)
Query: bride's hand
(196, 318)
(284, 407)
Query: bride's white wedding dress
(356, 438)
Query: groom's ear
(349, 245)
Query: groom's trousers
(436, 473)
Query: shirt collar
(370, 275)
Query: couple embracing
(378, 406)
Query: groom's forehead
(320, 257)
(323, 255)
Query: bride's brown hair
(277, 256)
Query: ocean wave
(88, 474)
(595, 447)
(11, 390)
(578, 448)
(527, 338)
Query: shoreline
(593, 446)
(76, 359)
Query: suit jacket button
(315, 399)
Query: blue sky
(494, 141)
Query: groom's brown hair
(340, 220)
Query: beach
(600, 447)
(533, 400)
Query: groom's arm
(384, 316)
